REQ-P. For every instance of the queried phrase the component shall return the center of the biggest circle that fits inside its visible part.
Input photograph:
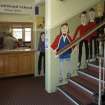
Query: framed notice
(40, 22)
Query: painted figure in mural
(100, 10)
(41, 49)
(60, 42)
(93, 36)
(80, 32)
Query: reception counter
(17, 62)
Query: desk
(17, 62)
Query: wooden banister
(75, 42)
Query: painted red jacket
(82, 30)
(55, 44)
(91, 26)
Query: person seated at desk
(9, 41)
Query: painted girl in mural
(60, 42)
(41, 49)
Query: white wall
(61, 11)
(42, 9)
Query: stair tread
(90, 72)
(70, 102)
(96, 63)
(86, 82)
(95, 70)
(79, 94)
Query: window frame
(22, 25)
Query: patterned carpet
(28, 91)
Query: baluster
(104, 69)
(100, 68)
(104, 60)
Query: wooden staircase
(84, 88)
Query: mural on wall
(88, 22)
(61, 40)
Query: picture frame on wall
(40, 22)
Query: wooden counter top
(18, 50)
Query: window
(17, 33)
(27, 34)
(24, 34)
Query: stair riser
(68, 97)
(86, 83)
(90, 77)
(102, 59)
(81, 87)
(96, 65)
(77, 94)
(81, 90)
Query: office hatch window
(22, 33)
(27, 34)
(17, 33)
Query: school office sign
(16, 8)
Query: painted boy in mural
(93, 36)
(79, 33)
(60, 42)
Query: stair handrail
(75, 42)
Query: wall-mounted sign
(16, 7)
